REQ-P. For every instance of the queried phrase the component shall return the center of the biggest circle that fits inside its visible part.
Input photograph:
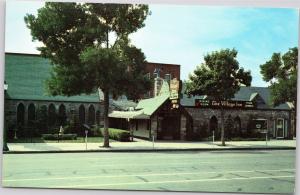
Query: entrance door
(280, 128)
(170, 128)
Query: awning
(129, 114)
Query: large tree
(219, 77)
(89, 48)
(281, 72)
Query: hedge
(61, 137)
(118, 134)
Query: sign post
(153, 142)
(213, 137)
(266, 138)
(86, 133)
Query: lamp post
(5, 146)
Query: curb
(150, 150)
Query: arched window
(81, 114)
(20, 115)
(31, 114)
(62, 115)
(91, 116)
(98, 117)
(51, 115)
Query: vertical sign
(174, 89)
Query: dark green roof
(247, 93)
(244, 94)
(25, 75)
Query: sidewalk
(142, 145)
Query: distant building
(159, 70)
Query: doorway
(280, 128)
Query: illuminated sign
(225, 104)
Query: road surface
(216, 171)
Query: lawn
(40, 140)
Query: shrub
(95, 131)
(61, 137)
(118, 134)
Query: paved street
(223, 171)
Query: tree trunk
(222, 127)
(106, 123)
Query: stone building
(249, 114)
(26, 100)
(27, 103)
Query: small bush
(95, 132)
(61, 137)
(118, 134)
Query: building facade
(250, 114)
(28, 108)
(159, 70)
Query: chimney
(157, 86)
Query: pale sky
(184, 34)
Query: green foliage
(119, 135)
(95, 132)
(76, 38)
(281, 72)
(71, 32)
(219, 76)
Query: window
(148, 75)
(62, 116)
(156, 73)
(280, 128)
(91, 116)
(168, 77)
(82, 114)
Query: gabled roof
(250, 93)
(146, 107)
(139, 114)
(122, 104)
(149, 106)
(187, 100)
(244, 94)
(26, 74)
